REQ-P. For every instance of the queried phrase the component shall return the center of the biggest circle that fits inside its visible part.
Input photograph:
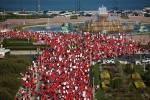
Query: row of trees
(140, 69)
(10, 68)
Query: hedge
(73, 17)
(13, 16)
(17, 44)
(11, 40)
(25, 47)
(21, 44)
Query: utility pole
(38, 5)
(140, 56)
(24, 11)
(93, 89)
(4, 13)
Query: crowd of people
(61, 72)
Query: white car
(137, 62)
(146, 60)
(67, 15)
(104, 61)
(123, 61)
(112, 61)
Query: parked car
(112, 61)
(54, 15)
(136, 61)
(123, 61)
(146, 60)
(99, 61)
(104, 61)
(67, 15)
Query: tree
(111, 84)
(147, 78)
(148, 67)
(45, 12)
(129, 69)
(118, 81)
(139, 69)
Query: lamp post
(149, 39)
(4, 13)
(24, 11)
(93, 89)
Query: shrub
(74, 17)
(21, 44)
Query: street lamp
(149, 39)
(93, 89)
(4, 13)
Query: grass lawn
(22, 26)
(19, 41)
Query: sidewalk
(24, 52)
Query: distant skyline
(54, 5)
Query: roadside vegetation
(120, 82)
(74, 17)
(15, 16)
(10, 68)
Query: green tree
(147, 78)
(129, 69)
(118, 81)
(139, 69)
(45, 12)
(111, 84)
(148, 67)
